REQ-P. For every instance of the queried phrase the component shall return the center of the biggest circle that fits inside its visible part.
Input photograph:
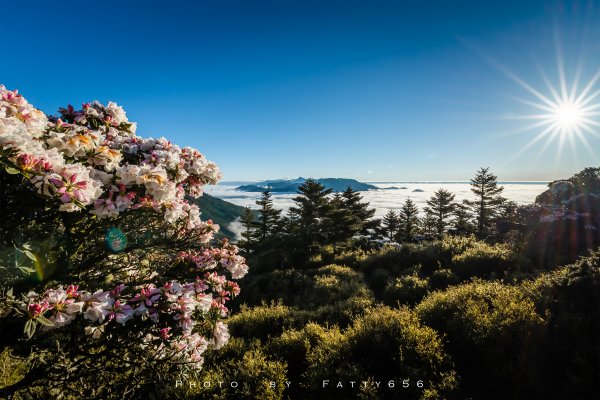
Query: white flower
(204, 301)
(59, 320)
(221, 335)
(116, 112)
(99, 306)
(128, 174)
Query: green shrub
(442, 278)
(287, 285)
(264, 321)
(12, 369)
(408, 289)
(331, 284)
(488, 328)
(384, 344)
(483, 260)
(569, 351)
(252, 371)
(294, 348)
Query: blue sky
(373, 90)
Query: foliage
(569, 298)
(488, 328)
(484, 260)
(384, 345)
(440, 208)
(268, 216)
(487, 200)
(407, 289)
(264, 321)
(390, 224)
(88, 205)
(408, 221)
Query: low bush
(264, 321)
(382, 345)
(489, 328)
(407, 289)
(569, 351)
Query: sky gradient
(372, 90)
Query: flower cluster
(172, 310)
(226, 256)
(92, 159)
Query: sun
(569, 116)
(562, 113)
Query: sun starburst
(565, 113)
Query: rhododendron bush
(106, 265)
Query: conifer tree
(487, 200)
(310, 214)
(248, 234)
(439, 210)
(409, 221)
(429, 226)
(268, 216)
(462, 224)
(360, 212)
(390, 224)
(348, 217)
(340, 221)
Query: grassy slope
(220, 211)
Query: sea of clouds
(389, 195)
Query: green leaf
(12, 171)
(30, 326)
(26, 270)
(30, 255)
(9, 293)
(44, 321)
(26, 246)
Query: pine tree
(348, 217)
(249, 233)
(391, 224)
(409, 221)
(462, 224)
(439, 210)
(361, 213)
(429, 226)
(487, 200)
(310, 214)
(268, 216)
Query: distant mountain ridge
(292, 185)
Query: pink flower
(37, 309)
(121, 312)
(116, 292)
(72, 291)
(164, 333)
(69, 188)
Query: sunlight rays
(565, 113)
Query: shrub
(483, 260)
(382, 345)
(488, 328)
(569, 351)
(442, 278)
(408, 289)
(289, 286)
(295, 346)
(264, 321)
(107, 260)
(248, 367)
